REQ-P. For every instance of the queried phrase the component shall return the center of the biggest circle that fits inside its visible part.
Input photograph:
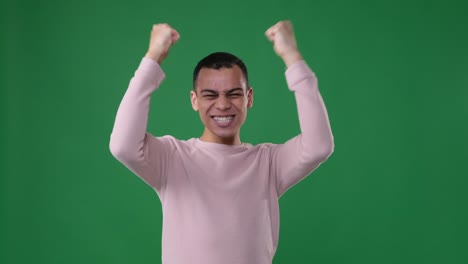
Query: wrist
(153, 56)
(291, 58)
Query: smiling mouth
(223, 120)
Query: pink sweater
(219, 202)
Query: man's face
(222, 98)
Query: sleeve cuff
(297, 72)
(152, 68)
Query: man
(219, 195)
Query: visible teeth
(223, 118)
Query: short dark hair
(218, 60)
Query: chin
(224, 134)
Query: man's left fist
(284, 41)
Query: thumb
(175, 36)
(270, 34)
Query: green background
(393, 75)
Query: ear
(194, 100)
(250, 97)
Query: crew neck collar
(222, 147)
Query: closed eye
(210, 96)
(235, 95)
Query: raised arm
(302, 154)
(130, 143)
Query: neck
(209, 137)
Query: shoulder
(265, 147)
(172, 142)
(273, 147)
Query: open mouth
(223, 120)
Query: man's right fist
(163, 37)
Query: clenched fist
(162, 38)
(284, 42)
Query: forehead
(222, 79)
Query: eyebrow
(229, 91)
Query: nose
(222, 103)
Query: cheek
(241, 105)
(203, 107)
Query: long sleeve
(301, 155)
(130, 143)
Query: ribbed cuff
(298, 72)
(153, 69)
